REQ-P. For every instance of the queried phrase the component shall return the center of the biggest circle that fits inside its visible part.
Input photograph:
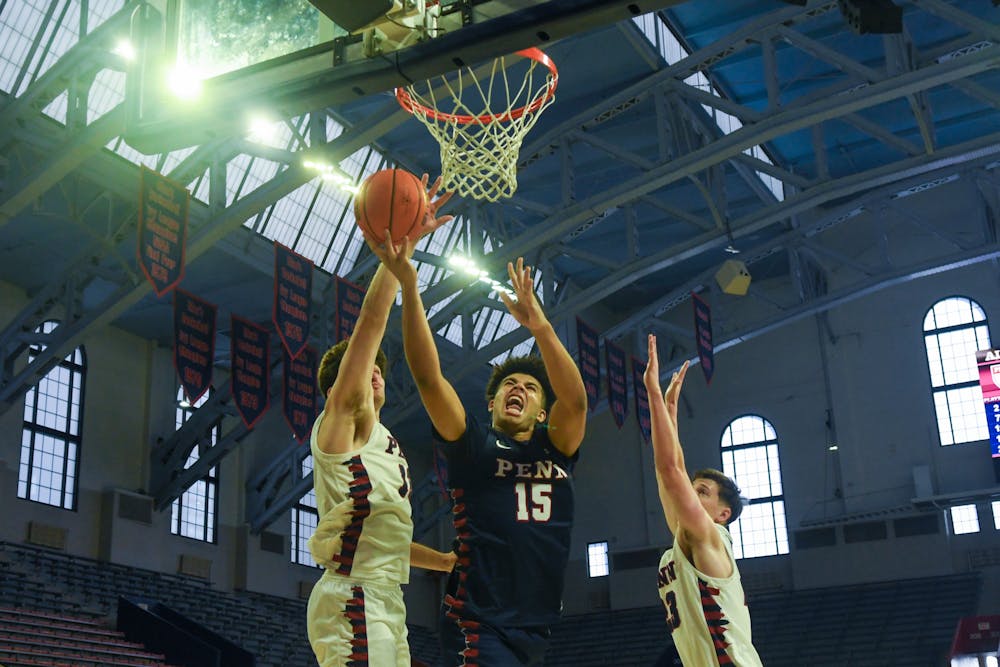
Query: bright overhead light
(833, 448)
(125, 50)
(184, 83)
(262, 130)
(332, 173)
(468, 266)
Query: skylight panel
(666, 43)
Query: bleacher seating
(272, 628)
(49, 639)
(895, 624)
(905, 623)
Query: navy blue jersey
(513, 507)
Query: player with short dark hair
(698, 580)
(356, 614)
(510, 479)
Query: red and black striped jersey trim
(354, 611)
(716, 621)
(359, 489)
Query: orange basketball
(391, 199)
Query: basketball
(391, 199)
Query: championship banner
(614, 358)
(641, 398)
(194, 343)
(300, 392)
(162, 230)
(349, 299)
(250, 355)
(989, 381)
(292, 298)
(975, 636)
(703, 335)
(589, 360)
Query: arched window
(750, 457)
(193, 514)
(305, 518)
(50, 439)
(954, 330)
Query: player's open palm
(431, 220)
(525, 309)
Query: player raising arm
(510, 479)
(356, 613)
(698, 580)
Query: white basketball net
(479, 146)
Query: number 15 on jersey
(534, 501)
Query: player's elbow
(672, 474)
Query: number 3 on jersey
(534, 502)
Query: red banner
(614, 358)
(589, 360)
(300, 392)
(975, 636)
(194, 343)
(641, 398)
(292, 298)
(162, 230)
(703, 336)
(250, 357)
(349, 300)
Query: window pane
(955, 329)
(996, 514)
(50, 433)
(750, 457)
(597, 559)
(193, 514)
(964, 519)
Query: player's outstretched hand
(525, 307)
(395, 257)
(673, 392)
(651, 378)
(431, 220)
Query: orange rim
(533, 53)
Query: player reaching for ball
(356, 614)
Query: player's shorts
(353, 624)
(465, 642)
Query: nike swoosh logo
(503, 446)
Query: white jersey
(707, 616)
(363, 499)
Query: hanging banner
(194, 343)
(349, 299)
(292, 298)
(641, 398)
(250, 357)
(976, 636)
(614, 358)
(589, 360)
(989, 381)
(300, 392)
(162, 230)
(703, 335)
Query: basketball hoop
(479, 146)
